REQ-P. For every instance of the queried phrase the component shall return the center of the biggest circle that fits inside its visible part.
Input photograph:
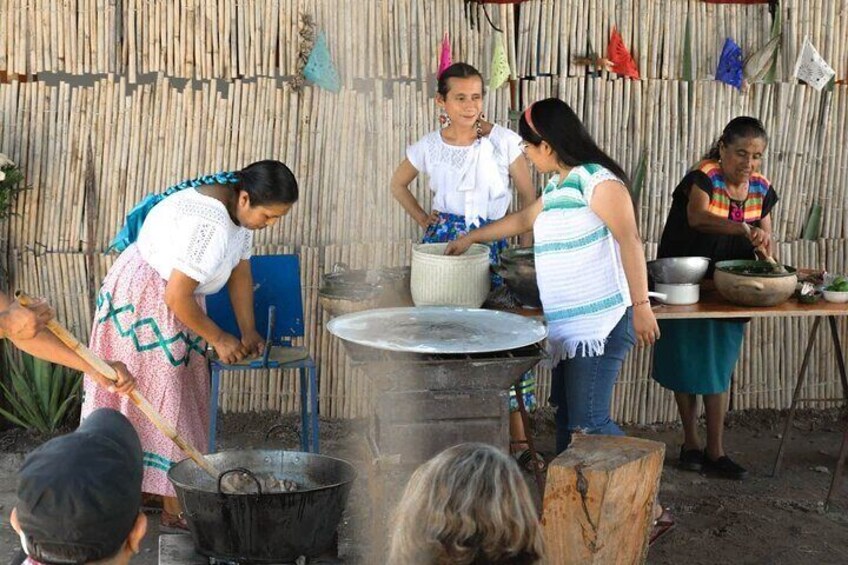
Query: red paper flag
(622, 62)
(444, 55)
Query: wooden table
(712, 305)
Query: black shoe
(724, 467)
(690, 459)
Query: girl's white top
(470, 181)
(193, 233)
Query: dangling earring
(479, 125)
(444, 119)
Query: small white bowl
(836, 296)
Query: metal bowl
(344, 290)
(518, 270)
(678, 270)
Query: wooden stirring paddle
(761, 251)
(107, 371)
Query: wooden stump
(598, 505)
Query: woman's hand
(428, 221)
(229, 348)
(24, 322)
(458, 246)
(125, 383)
(759, 237)
(645, 324)
(253, 343)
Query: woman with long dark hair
(590, 268)
(590, 265)
(709, 210)
(178, 247)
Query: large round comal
(450, 280)
(754, 283)
(269, 527)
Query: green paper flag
(500, 65)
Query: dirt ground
(761, 520)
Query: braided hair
(266, 182)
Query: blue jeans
(581, 388)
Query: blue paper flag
(729, 69)
(319, 68)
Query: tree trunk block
(598, 504)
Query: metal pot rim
(192, 487)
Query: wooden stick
(109, 372)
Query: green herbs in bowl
(839, 284)
(837, 290)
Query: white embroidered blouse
(193, 233)
(470, 181)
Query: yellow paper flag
(500, 65)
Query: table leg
(843, 450)
(840, 359)
(525, 419)
(787, 427)
(840, 467)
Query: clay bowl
(754, 283)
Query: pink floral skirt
(133, 325)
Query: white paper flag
(811, 68)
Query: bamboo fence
(90, 149)
(393, 39)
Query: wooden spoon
(107, 371)
(761, 251)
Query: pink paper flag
(444, 55)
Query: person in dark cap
(79, 495)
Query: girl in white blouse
(177, 248)
(469, 162)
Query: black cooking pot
(264, 527)
(518, 269)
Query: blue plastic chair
(279, 310)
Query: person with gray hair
(467, 505)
